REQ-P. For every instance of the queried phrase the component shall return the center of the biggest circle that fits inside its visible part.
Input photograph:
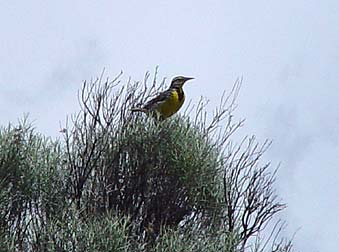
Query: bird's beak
(188, 78)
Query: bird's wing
(155, 102)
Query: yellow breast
(171, 105)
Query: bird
(167, 103)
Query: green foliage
(158, 173)
(168, 164)
(31, 186)
(196, 240)
(100, 233)
(120, 181)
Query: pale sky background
(287, 52)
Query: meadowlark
(168, 102)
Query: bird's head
(179, 81)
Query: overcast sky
(286, 51)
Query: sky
(286, 51)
